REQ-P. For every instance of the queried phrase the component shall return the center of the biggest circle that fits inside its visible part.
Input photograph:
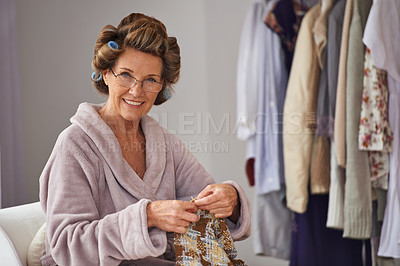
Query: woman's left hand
(221, 200)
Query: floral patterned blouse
(375, 134)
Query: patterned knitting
(206, 242)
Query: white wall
(56, 40)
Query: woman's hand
(221, 200)
(171, 215)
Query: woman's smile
(132, 103)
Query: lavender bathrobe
(95, 204)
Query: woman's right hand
(171, 215)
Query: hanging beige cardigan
(302, 150)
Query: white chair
(18, 226)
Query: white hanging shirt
(382, 36)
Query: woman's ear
(105, 72)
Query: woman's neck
(121, 127)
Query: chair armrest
(18, 226)
(8, 253)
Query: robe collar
(89, 120)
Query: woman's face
(132, 103)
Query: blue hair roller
(98, 78)
(167, 94)
(113, 45)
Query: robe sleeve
(76, 235)
(192, 178)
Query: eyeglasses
(126, 80)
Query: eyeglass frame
(136, 81)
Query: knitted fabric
(206, 242)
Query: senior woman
(117, 185)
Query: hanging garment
(340, 108)
(378, 211)
(262, 80)
(250, 88)
(375, 233)
(272, 77)
(328, 80)
(250, 161)
(271, 225)
(250, 170)
(335, 217)
(323, 101)
(379, 169)
(375, 134)
(326, 115)
(320, 168)
(246, 88)
(271, 220)
(382, 38)
(377, 218)
(390, 236)
(206, 242)
(314, 245)
(357, 198)
(265, 90)
(284, 18)
(299, 143)
(272, 217)
(319, 30)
